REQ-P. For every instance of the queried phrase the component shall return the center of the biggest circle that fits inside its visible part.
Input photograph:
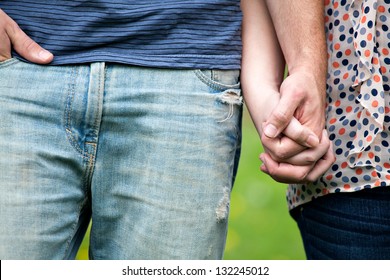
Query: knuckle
(12, 28)
(273, 172)
(301, 175)
(302, 178)
(280, 117)
(281, 153)
(310, 159)
(310, 179)
(28, 44)
(295, 91)
(298, 93)
(302, 133)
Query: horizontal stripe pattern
(173, 33)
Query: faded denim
(149, 154)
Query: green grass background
(260, 227)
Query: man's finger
(283, 112)
(301, 134)
(23, 44)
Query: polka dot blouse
(358, 101)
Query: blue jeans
(149, 154)
(346, 226)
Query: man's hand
(300, 115)
(303, 98)
(11, 36)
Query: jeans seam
(8, 62)
(68, 115)
(69, 134)
(214, 84)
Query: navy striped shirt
(172, 33)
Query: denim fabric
(149, 154)
(346, 226)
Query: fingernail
(270, 131)
(44, 55)
(312, 140)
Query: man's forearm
(300, 29)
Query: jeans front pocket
(219, 79)
(8, 62)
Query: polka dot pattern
(358, 102)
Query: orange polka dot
(359, 114)
(364, 19)
(348, 109)
(326, 19)
(369, 36)
(385, 51)
(375, 61)
(327, 2)
(346, 75)
(383, 69)
(337, 46)
(344, 165)
(348, 52)
(377, 183)
(377, 78)
(374, 103)
(335, 5)
(388, 177)
(347, 186)
(359, 171)
(330, 37)
(374, 174)
(325, 191)
(369, 138)
(329, 177)
(386, 165)
(336, 64)
(337, 103)
(346, 17)
(387, 110)
(360, 155)
(367, 53)
(371, 154)
(342, 131)
(332, 121)
(381, 9)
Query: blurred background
(260, 227)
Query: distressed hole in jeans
(222, 210)
(231, 97)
